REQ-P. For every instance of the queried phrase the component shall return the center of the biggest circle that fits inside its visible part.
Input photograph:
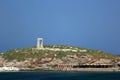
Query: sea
(59, 75)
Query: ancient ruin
(40, 43)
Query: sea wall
(9, 69)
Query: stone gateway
(39, 43)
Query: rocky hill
(52, 55)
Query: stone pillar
(39, 43)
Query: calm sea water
(60, 76)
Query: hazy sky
(93, 24)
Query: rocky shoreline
(15, 69)
(58, 58)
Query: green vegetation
(33, 53)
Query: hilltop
(52, 55)
(52, 50)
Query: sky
(93, 24)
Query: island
(58, 58)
